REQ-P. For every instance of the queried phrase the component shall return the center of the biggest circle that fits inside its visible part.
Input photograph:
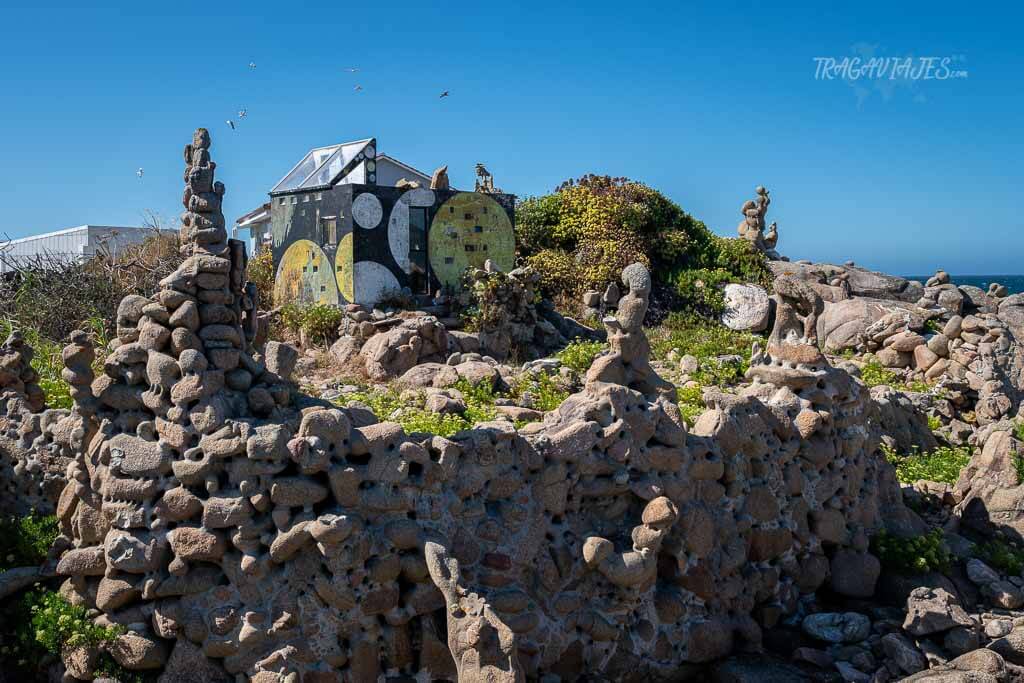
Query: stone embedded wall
(237, 527)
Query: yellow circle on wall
(343, 270)
(467, 230)
(304, 276)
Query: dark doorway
(419, 281)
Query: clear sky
(702, 102)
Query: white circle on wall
(367, 211)
(372, 281)
(370, 152)
(371, 165)
(398, 224)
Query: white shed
(81, 243)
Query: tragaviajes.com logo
(889, 68)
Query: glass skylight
(321, 166)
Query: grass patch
(916, 555)
(24, 541)
(874, 374)
(934, 423)
(579, 355)
(546, 392)
(707, 341)
(409, 411)
(943, 464)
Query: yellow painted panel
(467, 230)
(305, 276)
(343, 270)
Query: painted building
(80, 243)
(341, 231)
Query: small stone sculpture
(485, 181)
(752, 227)
(439, 181)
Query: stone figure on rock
(752, 227)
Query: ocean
(1015, 283)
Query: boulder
(933, 610)
(854, 574)
(837, 627)
(747, 308)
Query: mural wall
(360, 243)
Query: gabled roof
(381, 156)
(257, 215)
(325, 166)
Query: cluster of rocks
(237, 528)
(34, 442)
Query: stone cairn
(752, 227)
(239, 530)
(37, 444)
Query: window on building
(281, 200)
(329, 229)
(319, 196)
(305, 197)
(295, 199)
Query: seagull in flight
(444, 94)
(252, 65)
(139, 173)
(352, 69)
(242, 113)
(358, 88)
(230, 123)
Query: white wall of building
(79, 243)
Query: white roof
(324, 166)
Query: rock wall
(235, 527)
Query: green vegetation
(24, 541)
(46, 361)
(407, 408)
(933, 325)
(934, 423)
(915, 555)
(547, 393)
(39, 625)
(943, 464)
(260, 272)
(1001, 555)
(580, 354)
(581, 237)
(691, 403)
(873, 374)
(707, 341)
(318, 322)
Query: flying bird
(139, 173)
(358, 88)
(230, 123)
(242, 113)
(352, 69)
(252, 65)
(444, 94)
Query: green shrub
(700, 290)
(37, 626)
(934, 423)
(579, 355)
(915, 555)
(24, 541)
(260, 271)
(933, 325)
(389, 405)
(873, 374)
(318, 321)
(943, 464)
(1000, 555)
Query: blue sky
(703, 103)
